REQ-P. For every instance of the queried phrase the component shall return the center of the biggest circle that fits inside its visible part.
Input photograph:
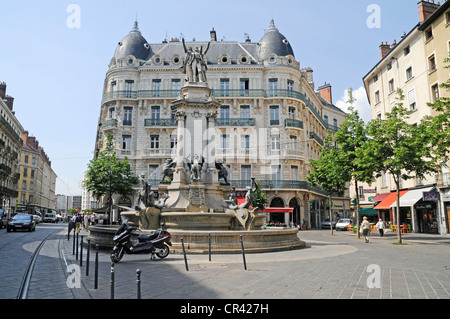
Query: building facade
(36, 193)
(416, 65)
(10, 144)
(270, 124)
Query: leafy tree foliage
(351, 139)
(107, 175)
(397, 147)
(329, 173)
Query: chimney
(2, 90)
(25, 136)
(325, 92)
(385, 48)
(213, 35)
(9, 100)
(426, 9)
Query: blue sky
(56, 73)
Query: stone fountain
(194, 204)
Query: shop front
(386, 212)
(445, 208)
(426, 217)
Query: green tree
(328, 173)
(107, 175)
(351, 138)
(437, 127)
(396, 147)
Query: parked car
(37, 219)
(50, 218)
(326, 224)
(3, 218)
(342, 224)
(21, 222)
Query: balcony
(238, 93)
(148, 94)
(236, 122)
(293, 123)
(316, 138)
(157, 152)
(109, 124)
(332, 128)
(119, 95)
(279, 184)
(160, 122)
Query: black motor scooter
(156, 243)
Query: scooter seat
(148, 237)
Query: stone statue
(223, 173)
(194, 65)
(143, 193)
(195, 167)
(168, 167)
(147, 197)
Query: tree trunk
(397, 214)
(331, 215)
(358, 235)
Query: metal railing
(236, 122)
(222, 93)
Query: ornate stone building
(270, 123)
(10, 144)
(36, 193)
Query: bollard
(112, 276)
(243, 253)
(73, 251)
(77, 248)
(184, 253)
(96, 267)
(88, 255)
(138, 282)
(81, 252)
(209, 246)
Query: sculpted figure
(168, 170)
(194, 63)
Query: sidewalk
(330, 267)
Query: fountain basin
(222, 242)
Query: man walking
(380, 227)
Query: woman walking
(365, 228)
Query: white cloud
(361, 104)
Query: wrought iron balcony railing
(236, 122)
(160, 122)
(293, 123)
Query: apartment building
(415, 64)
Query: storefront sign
(424, 206)
(430, 196)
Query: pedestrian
(380, 227)
(78, 221)
(365, 228)
(86, 221)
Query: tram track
(26, 279)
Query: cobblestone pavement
(331, 267)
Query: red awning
(389, 200)
(380, 197)
(278, 210)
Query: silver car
(342, 224)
